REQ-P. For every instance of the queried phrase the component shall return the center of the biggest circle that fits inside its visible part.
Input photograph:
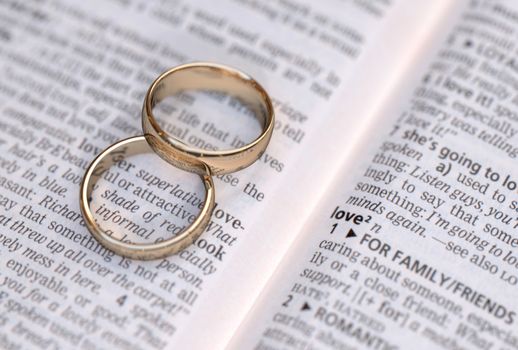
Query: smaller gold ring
(214, 77)
(146, 251)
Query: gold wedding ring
(194, 76)
(212, 77)
(114, 156)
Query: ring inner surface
(218, 99)
(137, 198)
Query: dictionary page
(414, 247)
(74, 75)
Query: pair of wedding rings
(188, 77)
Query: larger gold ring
(115, 154)
(214, 77)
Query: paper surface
(415, 247)
(74, 77)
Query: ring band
(146, 251)
(215, 77)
